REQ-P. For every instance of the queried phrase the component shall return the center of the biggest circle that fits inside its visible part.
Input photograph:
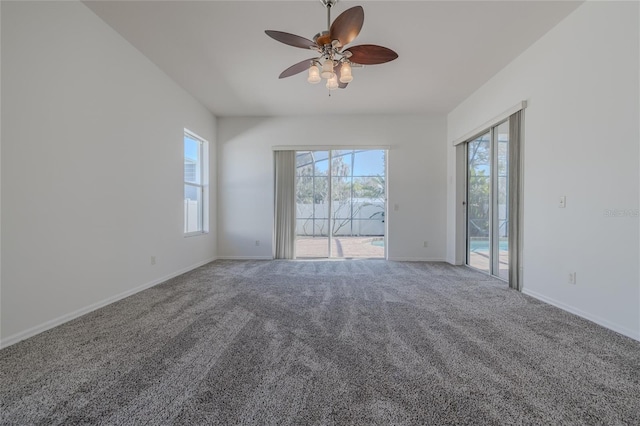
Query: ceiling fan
(334, 62)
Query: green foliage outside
(347, 193)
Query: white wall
(88, 121)
(581, 141)
(416, 167)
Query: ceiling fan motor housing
(322, 38)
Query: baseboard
(245, 258)
(92, 307)
(593, 318)
(395, 259)
(417, 259)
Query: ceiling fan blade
(291, 39)
(297, 68)
(337, 69)
(370, 54)
(347, 25)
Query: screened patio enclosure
(340, 203)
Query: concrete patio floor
(363, 247)
(341, 247)
(480, 260)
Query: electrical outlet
(396, 207)
(572, 278)
(257, 243)
(562, 203)
(153, 260)
(425, 244)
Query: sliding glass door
(501, 201)
(341, 209)
(312, 204)
(479, 203)
(487, 201)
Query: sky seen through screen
(366, 162)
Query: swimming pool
(483, 245)
(476, 245)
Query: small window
(195, 183)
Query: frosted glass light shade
(327, 69)
(332, 83)
(345, 73)
(314, 74)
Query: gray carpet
(325, 342)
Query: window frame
(201, 187)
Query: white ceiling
(218, 51)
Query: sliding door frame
(330, 149)
(460, 237)
(494, 240)
(494, 226)
(330, 197)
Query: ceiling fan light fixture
(332, 83)
(327, 69)
(314, 74)
(333, 63)
(345, 73)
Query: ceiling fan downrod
(328, 4)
